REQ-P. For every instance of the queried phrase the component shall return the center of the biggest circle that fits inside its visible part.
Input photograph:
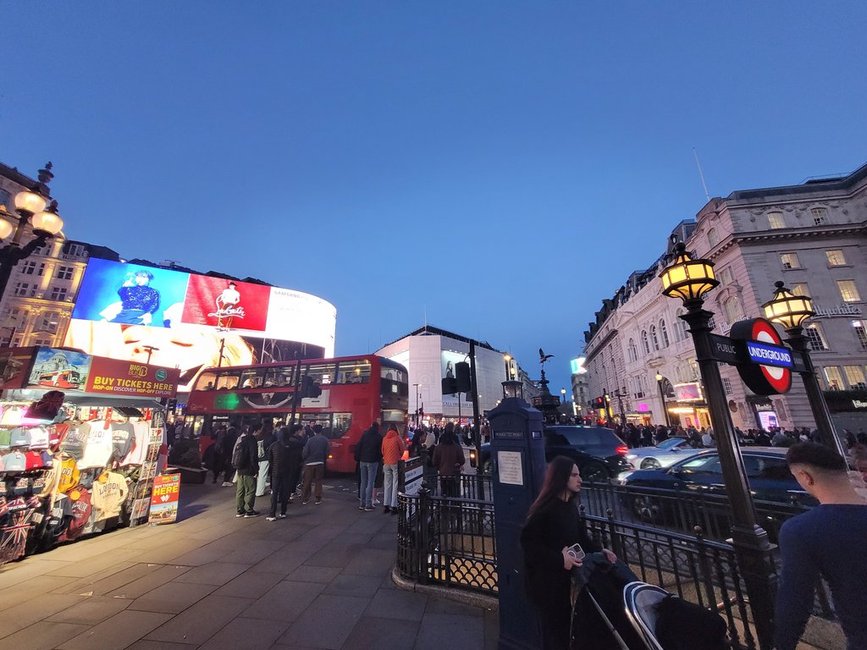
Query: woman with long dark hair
(553, 525)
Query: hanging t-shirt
(123, 438)
(79, 500)
(68, 475)
(56, 434)
(19, 437)
(14, 532)
(11, 416)
(5, 438)
(138, 453)
(75, 440)
(109, 493)
(34, 460)
(38, 438)
(99, 447)
(15, 461)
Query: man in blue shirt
(828, 541)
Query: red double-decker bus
(352, 393)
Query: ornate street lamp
(690, 280)
(659, 379)
(45, 222)
(790, 311)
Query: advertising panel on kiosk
(149, 315)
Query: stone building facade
(812, 236)
(38, 301)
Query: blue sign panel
(769, 355)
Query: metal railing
(680, 510)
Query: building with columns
(811, 236)
(38, 302)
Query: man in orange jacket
(392, 449)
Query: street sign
(767, 368)
(164, 498)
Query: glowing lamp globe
(29, 203)
(687, 278)
(787, 309)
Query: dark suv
(599, 453)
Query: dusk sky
(500, 167)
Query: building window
(644, 342)
(860, 333)
(712, 237)
(682, 328)
(801, 289)
(6, 200)
(653, 337)
(815, 338)
(725, 276)
(58, 293)
(48, 322)
(790, 261)
(855, 377)
(64, 272)
(835, 258)
(833, 378)
(663, 332)
(727, 385)
(24, 289)
(776, 221)
(45, 341)
(848, 291)
(732, 309)
(632, 351)
(31, 267)
(820, 216)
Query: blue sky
(499, 166)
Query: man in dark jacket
(280, 469)
(315, 453)
(224, 445)
(295, 460)
(368, 455)
(246, 462)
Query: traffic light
(310, 388)
(462, 377)
(599, 402)
(450, 386)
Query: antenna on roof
(700, 174)
(425, 316)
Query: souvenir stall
(80, 443)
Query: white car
(665, 454)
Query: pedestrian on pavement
(815, 543)
(279, 464)
(448, 458)
(368, 455)
(295, 459)
(225, 444)
(314, 454)
(553, 525)
(245, 460)
(264, 440)
(392, 450)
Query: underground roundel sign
(767, 365)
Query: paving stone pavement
(319, 579)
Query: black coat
(369, 448)
(285, 458)
(542, 539)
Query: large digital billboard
(188, 321)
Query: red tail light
(622, 450)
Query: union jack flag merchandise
(16, 527)
(81, 510)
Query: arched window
(712, 237)
(681, 328)
(653, 337)
(632, 351)
(732, 309)
(663, 332)
(645, 342)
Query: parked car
(665, 454)
(599, 453)
(766, 468)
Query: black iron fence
(667, 538)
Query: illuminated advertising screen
(688, 392)
(189, 321)
(449, 360)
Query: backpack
(240, 457)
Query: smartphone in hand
(576, 552)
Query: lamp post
(790, 311)
(31, 208)
(416, 386)
(690, 279)
(659, 379)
